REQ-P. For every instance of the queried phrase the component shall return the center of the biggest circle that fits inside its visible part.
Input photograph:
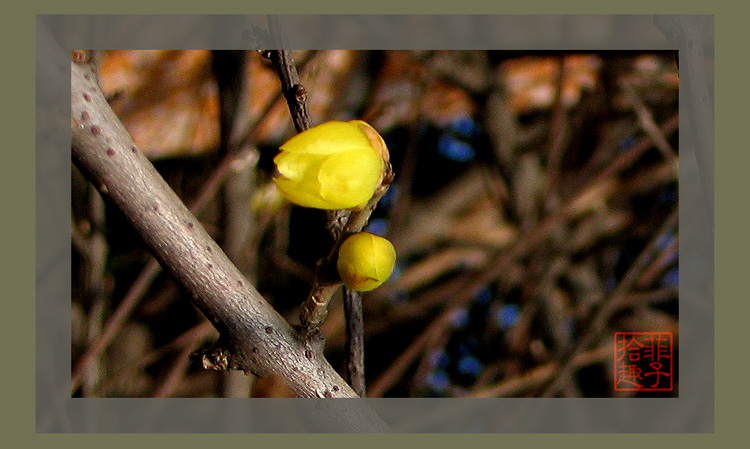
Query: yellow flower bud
(335, 165)
(365, 261)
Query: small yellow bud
(335, 165)
(365, 261)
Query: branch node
(216, 357)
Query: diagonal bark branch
(254, 337)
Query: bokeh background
(528, 213)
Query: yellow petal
(350, 178)
(327, 138)
(335, 165)
(294, 181)
(376, 140)
(365, 261)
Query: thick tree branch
(255, 337)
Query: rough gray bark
(254, 337)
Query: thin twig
(668, 254)
(601, 315)
(340, 223)
(537, 376)
(394, 372)
(626, 159)
(148, 274)
(355, 345)
(176, 373)
(294, 92)
(99, 300)
(115, 322)
(315, 308)
(401, 208)
(651, 297)
(646, 120)
(596, 191)
(248, 131)
(239, 220)
(254, 336)
(152, 269)
(558, 135)
(196, 335)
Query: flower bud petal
(365, 261)
(376, 140)
(335, 165)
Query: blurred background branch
(528, 184)
(254, 337)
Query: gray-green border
(692, 412)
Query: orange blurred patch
(532, 81)
(167, 100)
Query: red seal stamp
(643, 361)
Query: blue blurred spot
(378, 226)
(469, 365)
(439, 358)
(671, 278)
(627, 143)
(667, 195)
(507, 316)
(389, 199)
(664, 240)
(465, 348)
(459, 318)
(483, 296)
(569, 325)
(465, 126)
(438, 381)
(453, 149)
(397, 269)
(399, 297)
